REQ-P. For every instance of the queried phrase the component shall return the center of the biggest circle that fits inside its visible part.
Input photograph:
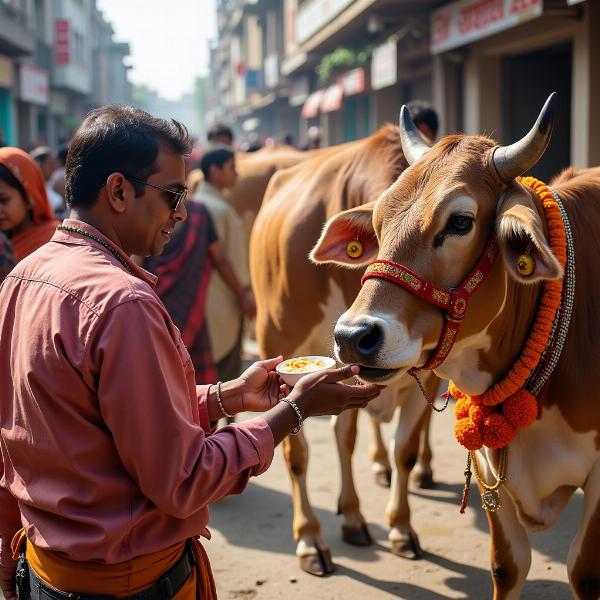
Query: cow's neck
(482, 358)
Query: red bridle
(454, 300)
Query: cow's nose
(358, 342)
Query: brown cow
(297, 303)
(447, 205)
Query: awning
(332, 98)
(311, 104)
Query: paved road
(252, 550)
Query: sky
(168, 40)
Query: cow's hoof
(384, 478)
(408, 548)
(425, 480)
(319, 564)
(357, 536)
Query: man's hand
(248, 305)
(8, 583)
(260, 388)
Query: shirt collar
(72, 237)
(208, 188)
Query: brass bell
(526, 263)
(354, 249)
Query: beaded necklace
(118, 256)
(493, 418)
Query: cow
(457, 201)
(297, 303)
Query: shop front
(496, 61)
(6, 102)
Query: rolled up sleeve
(158, 417)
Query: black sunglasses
(179, 196)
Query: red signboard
(62, 54)
(466, 21)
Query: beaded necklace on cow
(493, 418)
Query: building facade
(346, 66)
(57, 61)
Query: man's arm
(10, 523)
(148, 401)
(225, 269)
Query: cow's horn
(514, 160)
(413, 145)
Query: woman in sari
(25, 213)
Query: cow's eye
(460, 224)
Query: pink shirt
(105, 438)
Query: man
(224, 308)
(48, 163)
(108, 458)
(219, 133)
(425, 118)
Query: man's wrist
(231, 396)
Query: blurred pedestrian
(425, 119)
(7, 257)
(57, 180)
(184, 271)
(25, 213)
(313, 138)
(48, 163)
(225, 307)
(219, 133)
(108, 459)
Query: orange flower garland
(492, 418)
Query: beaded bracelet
(296, 429)
(220, 402)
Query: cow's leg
(354, 526)
(380, 462)
(404, 448)
(584, 560)
(311, 549)
(510, 548)
(423, 472)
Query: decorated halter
(454, 301)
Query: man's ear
(117, 191)
(519, 228)
(348, 239)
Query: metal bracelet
(296, 429)
(220, 402)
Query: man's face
(150, 220)
(225, 176)
(48, 166)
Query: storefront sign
(6, 78)
(62, 55)
(313, 15)
(252, 80)
(384, 66)
(465, 21)
(353, 82)
(271, 68)
(299, 92)
(33, 85)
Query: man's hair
(117, 138)
(217, 156)
(423, 112)
(63, 150)
(218, 130)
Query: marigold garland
(492, 418)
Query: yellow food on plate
(301, 365)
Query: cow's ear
(522, 240)
(348, 239)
